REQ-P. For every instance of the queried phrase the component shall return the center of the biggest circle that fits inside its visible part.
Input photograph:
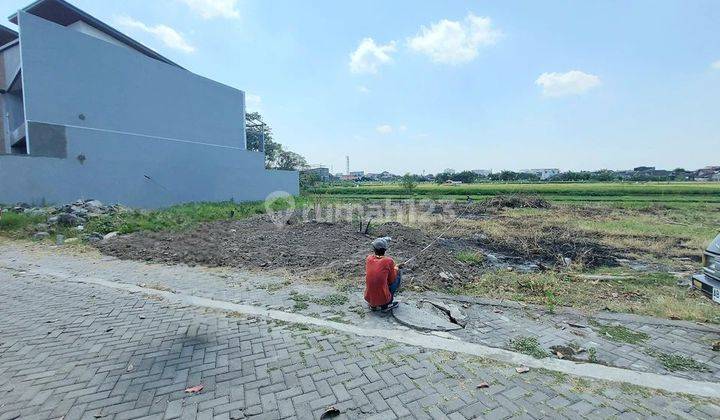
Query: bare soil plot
(482, 240)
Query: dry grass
(654, 294)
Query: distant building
(708, 173)
(451, 182)
(387, 176)
(543, 174)
(358, 174)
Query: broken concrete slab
(456, 315)
(423, 316)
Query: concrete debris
(94, 237)
(522, 369)
(38, 236)
(110, 235)
(69, 219)
(74, 215)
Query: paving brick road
(486, 324)
(70, 350)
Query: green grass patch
(180, 217)
(620, 333)
(470, 257)
(302, 300)
(529, 346)
(335, 299)
(677, 362)
(11, 222)
(174, 218)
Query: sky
(421, 86)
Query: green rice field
(707, 192)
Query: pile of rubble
(70, 216)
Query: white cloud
(455, 42)
(716, 65)
(252, 101)
(402, 128)
(369, 56)
(574, 82)
(209, 9)
(384, 129)
(363, 89)
(169, 36)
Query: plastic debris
(195, 389)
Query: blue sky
(423, 86)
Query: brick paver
(80, 351)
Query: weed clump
(516, 201)
(675, 362)
(470, 257)
(529, 346)
(620, 333)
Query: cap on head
(381, 243)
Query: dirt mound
(515, 201)
(306, 249)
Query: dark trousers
(394, 286)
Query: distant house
(89, 112)
(708, 173)
(543, 174)
(451, 182)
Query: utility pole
(347, 165)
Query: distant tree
(276, 157)
(466, 177)
(604, 175)
(308, 179)
(573, 176)
(290, 161)
(443, 177)
(408, 182)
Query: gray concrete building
(88, 112)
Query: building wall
(157, 173)
(11, 62)
(153, 134)
(67, 74)
(83, 27)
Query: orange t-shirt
(380, 272)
